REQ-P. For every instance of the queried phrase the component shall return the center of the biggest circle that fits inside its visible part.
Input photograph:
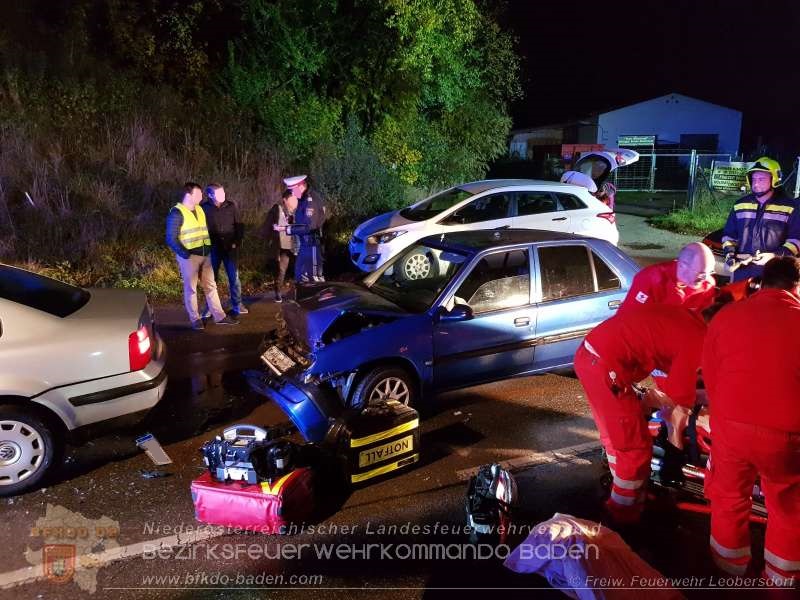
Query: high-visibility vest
(194, 231)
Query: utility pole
(797, 178)
(692, 180)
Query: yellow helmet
(766, 165)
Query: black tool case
(374, 442)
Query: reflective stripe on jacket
(771, 226)
(194, 231)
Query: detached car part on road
(73, 364)
(500, 304)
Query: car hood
(309, 318)
(381, 223)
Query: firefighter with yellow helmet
(765, 222)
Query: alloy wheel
(391, 388)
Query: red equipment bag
(262, 507)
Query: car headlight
(383, 238)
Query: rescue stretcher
(680, 473)
(684, 471)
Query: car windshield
(42, 293)
(414, 278)
(434, 205)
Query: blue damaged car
(497, 304)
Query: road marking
(563, 456)
(568, 454)
(93, 561)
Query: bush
(710, 212)
(90, 210)
(355, 184)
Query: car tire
(29, 447)
(386, 383)
(419, 265)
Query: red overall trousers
(623, 433)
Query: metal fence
(663, 171)
(701, 185)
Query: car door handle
(560, 219)
(504, 227)
(522, 321)
(614, 304)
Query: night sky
(580, 59)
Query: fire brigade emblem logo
(641, 297)
(68, 546)
(59, 562)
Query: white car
(488, 204)
(73, 363)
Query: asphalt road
(103, 491)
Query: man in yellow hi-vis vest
(187, 236)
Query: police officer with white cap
(307, 226)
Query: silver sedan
(73, 364)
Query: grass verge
(708, 215)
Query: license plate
(385, 451)
(277, 360)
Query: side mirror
(460, 312)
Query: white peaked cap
(292, 181)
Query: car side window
(606, 278)
(486, 208)
(499, 281)
(570, 202)
(566, 271)
(535, 203)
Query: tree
(429, 81)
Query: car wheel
(418, 265)
(28, 448)
(386, 383)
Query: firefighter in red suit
(623, 351)
(751, 368)
(688, 281)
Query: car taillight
(139, 350)
(608, 216)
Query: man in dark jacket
(765, 221)
(226, 230)
(308, 221)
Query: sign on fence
(636, 140)
(729, 176)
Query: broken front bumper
(311, 409)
